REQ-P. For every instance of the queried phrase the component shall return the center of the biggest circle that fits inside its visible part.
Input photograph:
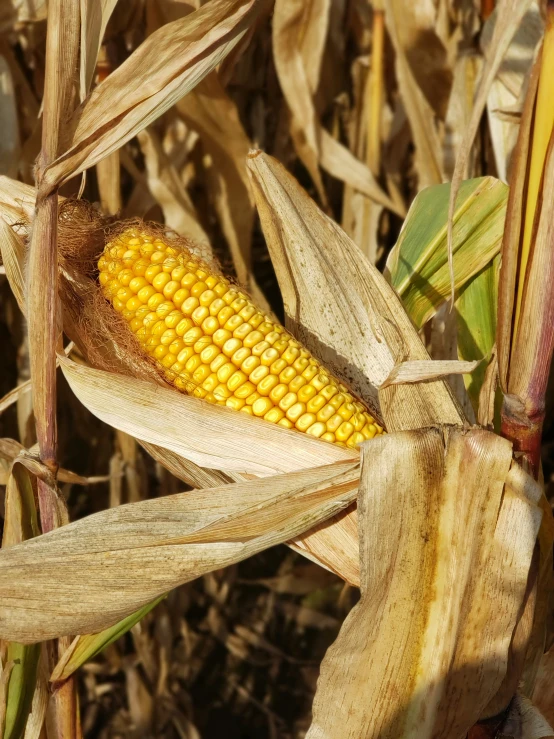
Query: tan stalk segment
(211, 341)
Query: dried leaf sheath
(211, 341)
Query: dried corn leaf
(116, 561)
(339, 305)
(149, 83)
(507, 90)
(95, 15)
(167, 188)
(17, 201)
(315, 146)
(427, 645)
(509, 16)
(428, 154)
(13, 255)
(418, 264)
(210, 112)
(208, 435)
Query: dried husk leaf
(118, 560)
(351, 318)
(427, 646)
(149, 83)
(208, 435)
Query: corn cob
(211, 341)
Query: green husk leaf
(476, 322)
(417, 266)
(21, 687)
(21, 523)
(85, 648)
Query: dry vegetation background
(365, 108)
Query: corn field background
(371, 106)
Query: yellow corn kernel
(259, 374)
(334, 422)
(317, 429)
(274, 415)
(278, 392)
(250, 364)
(245, 390)
(201, 373)
(355, 439)
(225, 372)
(344, 431)
(295, 411)
(305, 421)
(267, 384)
(236, 380)
(261, 406)
(288, 401)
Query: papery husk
(118, 560)
(340, 306)
(427, 646)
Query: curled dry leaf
(121, 559)
(424, 370)
(525, 721)
(95, 15)
(427, 646)
(13, 252)
(149, 83)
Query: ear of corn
(211, 341)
